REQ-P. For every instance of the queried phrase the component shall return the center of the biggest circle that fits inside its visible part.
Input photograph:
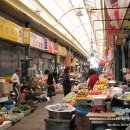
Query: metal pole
(27, 54)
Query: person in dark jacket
(66, 81)
(55, 75)
(50, 84)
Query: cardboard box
(4, 88)
(5, 125)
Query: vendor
(16, 83)
(66, 81)
(92, 78)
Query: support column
(27, 55)
(56, 63)
(128, 55)
(118, 63)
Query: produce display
(126, 97)
(82, 94)
(95, 92)
(19, 107)
(70, 97)
(108, 93)
(101, 84)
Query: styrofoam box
(5, 125)
(2, 80)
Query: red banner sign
(68, 61)
(55, 48)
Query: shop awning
(103, 62)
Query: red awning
(103, 62)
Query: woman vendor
(92, 78)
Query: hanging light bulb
(79, 13)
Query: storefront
(11, 48)
(10, 57)
(41, 60)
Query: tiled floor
(35, 121)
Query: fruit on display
(82, 94)
(95, 92)
(70, 97)
(126, 97)
(108, 93)
(101, 84)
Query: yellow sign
(62, 51)
(26, 35)
(10, 30)
(75, 60)
(58, 59)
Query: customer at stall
(92, 78)
(16, 84)
(55, 75)
(127, 76)
(66, 81)
(50, 84)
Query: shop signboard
(36, 41)
(122, 12)
(59, 50)
(50, 47)
(55, 48)
(26, 36)
(58, 59)
(45, 45)
(68, 61)
(62, 51)
(75, 60)
(10, 30)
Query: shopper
(50, 84)
(55, 75)
(85, 75)
(16, 84)
(66, 81)
(92, 78)
(127, 76)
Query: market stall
(106, 106)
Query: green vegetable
(30, 103)
(25, 108)
(16, 110)
(4, 109)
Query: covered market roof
(75, 19)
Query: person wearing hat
(16, 84)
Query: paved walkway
(35, 121)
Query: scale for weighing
(98, 103)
